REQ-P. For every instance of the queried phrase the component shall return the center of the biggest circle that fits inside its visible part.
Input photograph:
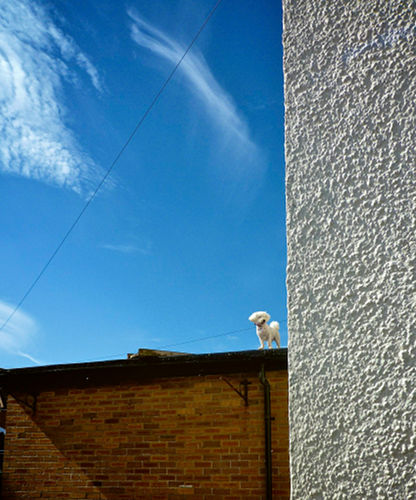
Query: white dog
(265, 333)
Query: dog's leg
(258, 331)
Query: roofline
(41, 378)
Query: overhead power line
(110, 168)
(190, 341)
(197, 339)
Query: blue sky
(187, 236)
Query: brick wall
(163, 439)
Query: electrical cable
(93, 195)
(197, 339)
(190, 341)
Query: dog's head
(259, 318)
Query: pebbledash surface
(159, 427)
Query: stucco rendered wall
(350, 97)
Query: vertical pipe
(267, 434)
(3, 407)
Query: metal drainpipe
(3, 407)
(267, 434)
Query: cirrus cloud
(128, 248)
(18, 333)
(231, 126)
(36, 58)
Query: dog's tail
(274, 325)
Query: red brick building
(202, 426)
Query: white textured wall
(350, 96)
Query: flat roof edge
(40, 378)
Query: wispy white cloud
(29, 357)
(128, 248)
(36, 57)
(230, 123)
(19, 332)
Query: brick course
(167, 438)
